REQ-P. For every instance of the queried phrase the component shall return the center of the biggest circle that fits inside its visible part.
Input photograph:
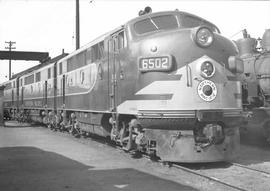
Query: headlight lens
(207, 90)
(204, 37)
(207, 69)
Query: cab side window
(97, 51)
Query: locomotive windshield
(156, 23)
(190, 21)
(167, 22)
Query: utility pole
(10, 43)
(77, 24)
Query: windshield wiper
(153, 23)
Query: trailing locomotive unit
(26, 94)
(164, 83)
(256, 82)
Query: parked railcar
(164, 83)
(31, 91)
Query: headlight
(207, 69)
(207, 90)
(203, 37)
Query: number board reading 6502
(161, 63)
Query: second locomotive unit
(164, 83)
(255, 54)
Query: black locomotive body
(255, 54)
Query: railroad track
(214, 179)
(249, 168)
(217, 180)
(189, 170)
(221, 181)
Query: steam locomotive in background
(164, 83)
(255, 54)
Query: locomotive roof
(29, 70)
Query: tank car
(164, 83)
(256, 83)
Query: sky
(49, 25)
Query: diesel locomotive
(164, 83)
(255, 54)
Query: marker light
(207, 69)
(204, 37)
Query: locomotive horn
(147, 10)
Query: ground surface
(35, 158)
(38, 159)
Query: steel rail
(198, 174)
(208, 177)
(249, 168)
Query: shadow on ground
(254, 136)
(206, 166)
(257, 129)
(32, 169)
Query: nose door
(114, 77)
